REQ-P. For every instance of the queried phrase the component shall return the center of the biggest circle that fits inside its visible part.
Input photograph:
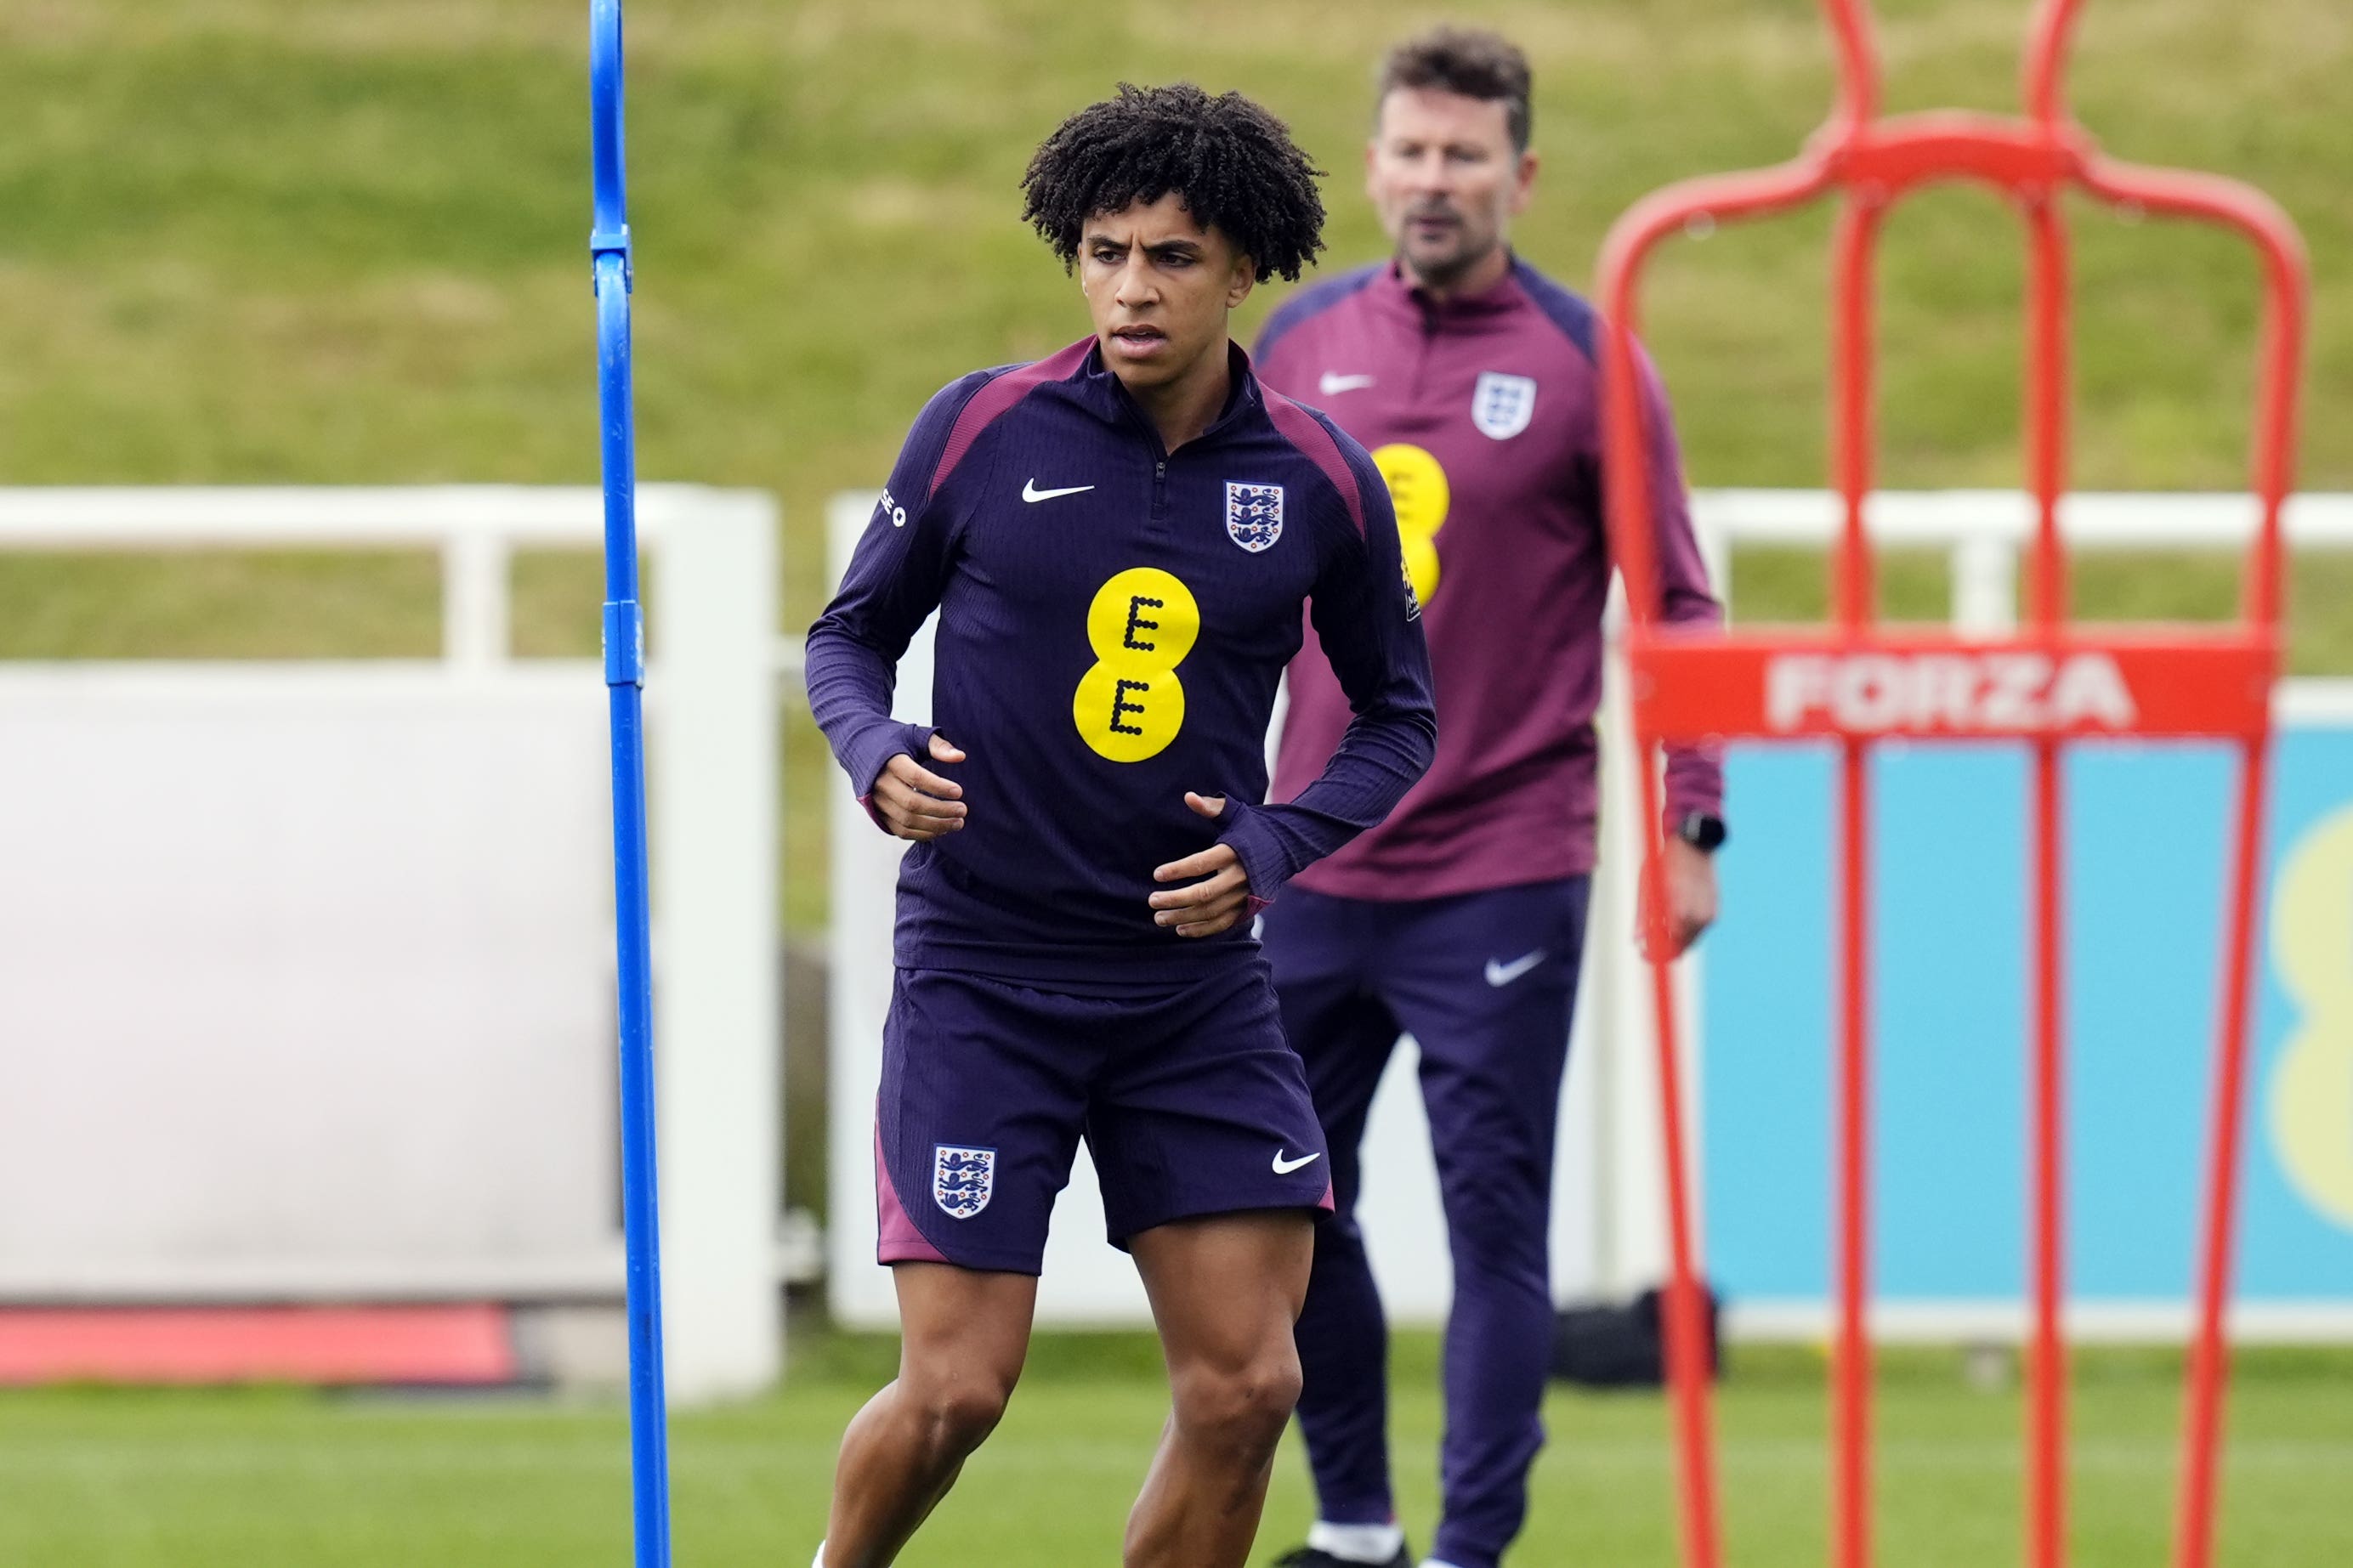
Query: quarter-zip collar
(1398, 292)
(1096, 389)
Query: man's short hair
(1470, 62)
(1233, 165)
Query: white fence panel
(306, 986)
(306, 980)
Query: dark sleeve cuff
(871, 752)
(1260, 848)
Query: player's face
(1160, 287)
(1445, 179)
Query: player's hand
(1691, 899)
(914, 802)
(1206, 908)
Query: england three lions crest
(1501, 406)
(963, 1180)
(1253, 515)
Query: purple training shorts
(1189, 1098)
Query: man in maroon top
(1473, 380)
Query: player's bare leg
(1224, 1292)
(963, 1336)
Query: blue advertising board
(2147, 830)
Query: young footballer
(1120, 541)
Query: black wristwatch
(1703, 831)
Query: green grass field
(328, 241)
(105, 1479)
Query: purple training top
(1482, 414)
(1114, 620)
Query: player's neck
(1184, 407)
(1476, 277)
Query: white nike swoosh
(1032, 494)
(1331, 384)
(1501, 975)
(1283, 1167)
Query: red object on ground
(2051, 685)
(464, 1344)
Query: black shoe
(1309, 1557)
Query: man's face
(1160, 287)
(1445, 179)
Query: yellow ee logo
(2311, 1088)
(1130, 704)
(1419, 490)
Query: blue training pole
(624, 674)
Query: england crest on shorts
(962, 1179)
(1501, 406)
(1253, 515)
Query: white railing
(1985, 532)
(476, 529)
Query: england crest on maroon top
(1253, 515)
(1501, 406)
(963, 1180)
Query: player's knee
(958, 1411)
(1242, 1409)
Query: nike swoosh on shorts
(1501, 975)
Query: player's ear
(1245, 278)
(1525, 183)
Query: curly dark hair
(1232, 164)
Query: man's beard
(1464, 252)
(1455, 265)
